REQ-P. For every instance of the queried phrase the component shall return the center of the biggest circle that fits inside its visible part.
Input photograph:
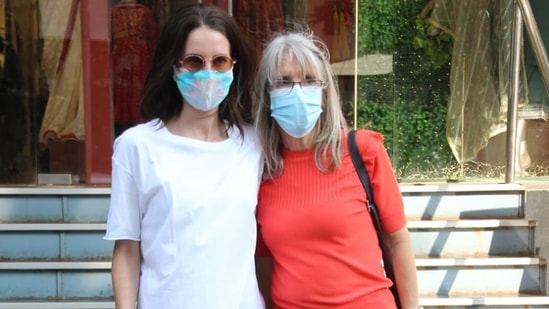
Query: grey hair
(311, 54)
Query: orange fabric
(320, 234)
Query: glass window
(72, 71)
(52, 95)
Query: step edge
(57, 305)
(484, 300)
(5, 227)
(470, 223)
(105, 265)
(478, 261)
(56, 190)
(463, 187)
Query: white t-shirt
(192, 205)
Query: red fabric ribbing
(320, 235)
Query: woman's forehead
(290, 65)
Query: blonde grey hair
(310, 54)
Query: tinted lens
(193, 63)
(222, 63)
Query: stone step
(485, 276)
(523, 301)
(56, 282)
(58, 305)
(492, 302)
(437, 276)
(473, 247)
(54, 204)
(56, 265)
(54, 242)
(463, 201)
(57, 226)
(460, 238)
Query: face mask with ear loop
(296, 111)
(204, 89)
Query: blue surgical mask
(296, 111)
(204, 89)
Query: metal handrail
(523, 15)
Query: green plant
(409, 105)
(414, 134)
(436, 44)
(377, 24)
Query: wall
(537, 208)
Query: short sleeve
(123, 221)
(385, 187)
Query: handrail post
(512, 111)
(536, 40)
(522, 14)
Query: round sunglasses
(219, 63)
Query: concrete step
(451, 238)
(56, 226)
(485, 276)
(496, 302)
(58, 305)
(55, 282)
(463, 201)
(56, 265)
(475, 277)
(54, 242)
(44, 205)
(442, 201)
(473, 248)
(523, 301)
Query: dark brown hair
(161, 98)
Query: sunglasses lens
(193, 63)
(222, 63)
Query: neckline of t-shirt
(187, 140)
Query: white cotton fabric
(192, 205)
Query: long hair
(161, 98)
(311, 54)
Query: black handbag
(372, 208)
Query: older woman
(311, 213)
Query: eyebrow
(286, 77)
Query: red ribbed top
(319, 232)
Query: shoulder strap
(361, 169)
(365, 179)
(372, 208)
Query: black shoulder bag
(372, 208)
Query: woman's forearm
(126, 264)
(402, 257)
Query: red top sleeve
(386, 190)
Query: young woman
(184, 183)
